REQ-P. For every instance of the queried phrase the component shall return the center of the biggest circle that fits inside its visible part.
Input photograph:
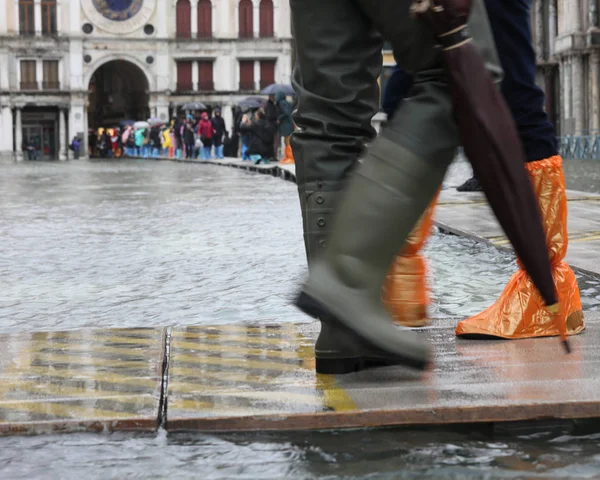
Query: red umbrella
(491, 142)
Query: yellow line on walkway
(241, 340)
(335, 396)
(271, 396)
(237, 349)
(80, 360)
(585, 239)
(298, 378)
(63, 410)
(94, 376)
(235, 362)
(284, 328)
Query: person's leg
(390, 188)
(520, 312)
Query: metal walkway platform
(261, 377)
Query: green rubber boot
(384, 201)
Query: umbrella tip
(566, 345)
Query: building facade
(567, 40)
(67, 66)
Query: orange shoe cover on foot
(289, 156)
(520, 311)
(405, 292)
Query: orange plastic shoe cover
(520, 311)
(405, 292)
(289, 156)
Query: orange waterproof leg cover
(289, 156)
(405, 292)
(520, 311)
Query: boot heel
(338, 366)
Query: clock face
(118, 10)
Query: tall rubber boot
(520, 311)
(385, 198)
(405, 291)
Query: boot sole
(340, 366)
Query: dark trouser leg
(338, 63)
(512, 33)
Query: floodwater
(143, 243)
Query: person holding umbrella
(519, 312)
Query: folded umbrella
(491, 142)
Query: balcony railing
(51, 85)
(29, 86)
(206, 86)
(185, 86)
(247, 86)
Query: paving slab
(87, 380)
(468, 214)
(257, 377)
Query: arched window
(266, 18)
(204, 19)
(184, 19)
(26, 17)
(49, 17)
(246, 19)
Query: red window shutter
(247, 75)
(184, 19)
(204, 19)
(267, 73)
(246, 19)
(184, 76)
(205, 75)
(266, 18)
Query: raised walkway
(261, 377)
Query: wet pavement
(100, 380)
(148, 244)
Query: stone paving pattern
(81, 380)
(270, 384)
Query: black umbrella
(491, 142)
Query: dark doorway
(118, 91)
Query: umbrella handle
(561, 323)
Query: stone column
(84, 149)
(593, 14)
(6, 138)
(59, 11)
(257, 75)
(194, 18)
(539, 29)
(578, 87)
(62, 135)
(551, 23)
(256, 19)
(594, 80)
(37, 15)
(39, 74)
(18, 135)
(195, 75)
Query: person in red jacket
(205, 131)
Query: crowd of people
(256, 133)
